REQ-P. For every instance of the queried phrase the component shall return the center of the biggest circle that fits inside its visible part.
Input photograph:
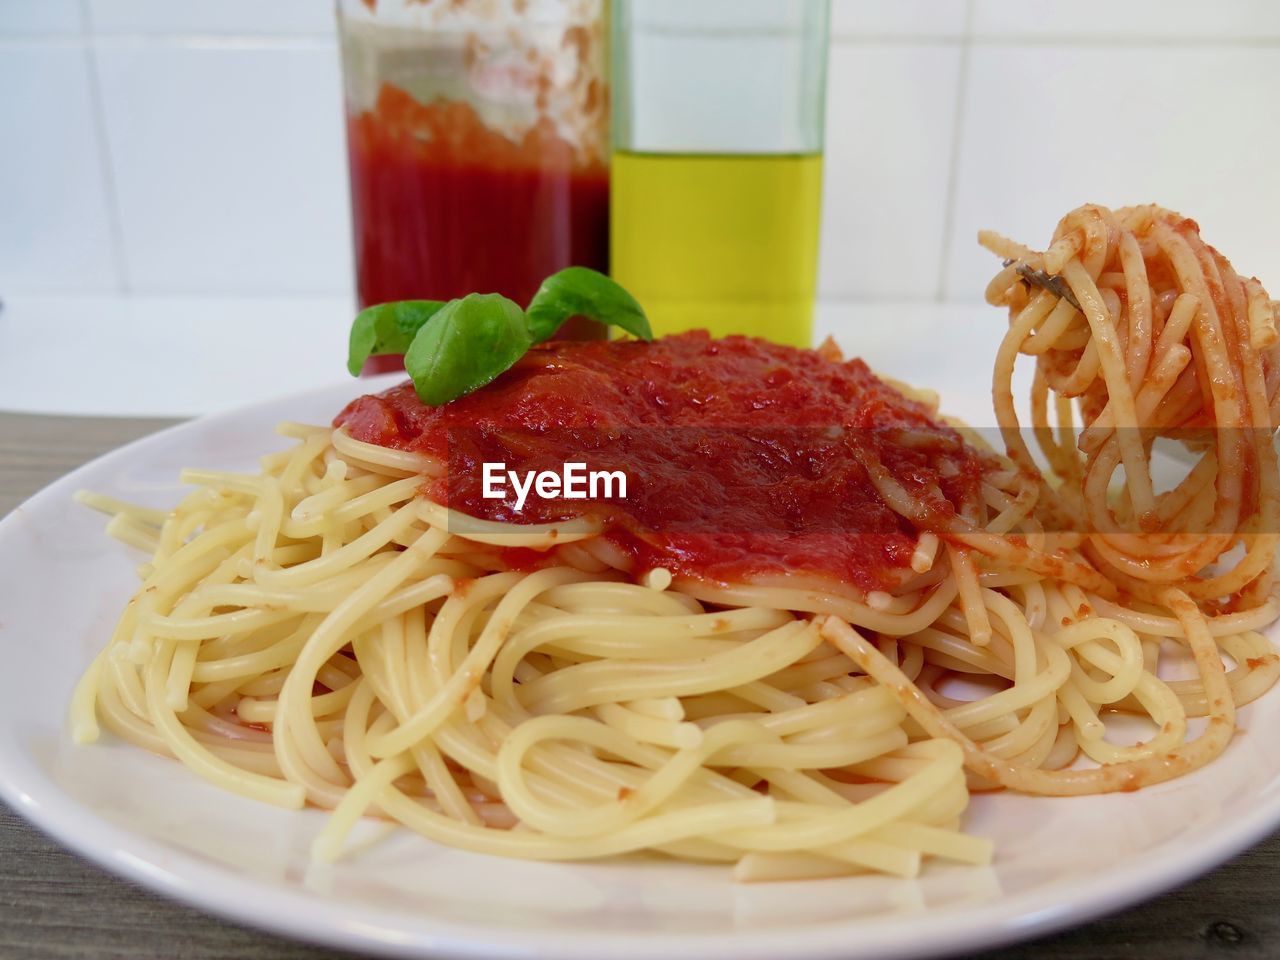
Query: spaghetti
(336, 630)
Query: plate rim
(248, 901)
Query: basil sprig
(464, 346)
(387, 328)
(451, 349)
(582, 292)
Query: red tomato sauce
(442, 205)
(746, 460)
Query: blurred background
(173, 180)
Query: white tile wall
(35, 18)
(874, 19)
(1127, 20)
(280, 17)
(230, 165)
(890, 119)
(220, 165)
(55, 231)
(1044, 132)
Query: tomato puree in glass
(444, 206)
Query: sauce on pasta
(745, 458)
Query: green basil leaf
(387, 328)
(581, 292)
(466, 345)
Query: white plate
(62, 583)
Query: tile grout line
(106, 165)
(312, 40)
(1117, 41)
(957, 129)
(1126, 41)
(212, 40)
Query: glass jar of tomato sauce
(477, 133)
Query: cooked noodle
(316, 633)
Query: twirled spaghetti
(333, 631)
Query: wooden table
(54, 904)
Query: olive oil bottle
(716, 171)
(728, 242)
